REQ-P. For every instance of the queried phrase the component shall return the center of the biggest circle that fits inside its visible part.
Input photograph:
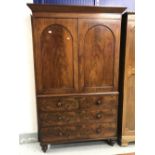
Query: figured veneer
(76, 55)
(78, 132)
(57, 52)
(56, 104)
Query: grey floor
(87, 148)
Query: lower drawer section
(78, 132)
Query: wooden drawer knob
(99, 102)
(60, 118)
(98, 115)
(60, 133)
(59, 104)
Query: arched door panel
(55, 55)
(97, 55)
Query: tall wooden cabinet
(128, 79)
(76, 55)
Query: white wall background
(17, 95)
(26, 103)
(17, 89)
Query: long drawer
(78, 132)
(71, 103)
(62, 118)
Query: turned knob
(60, 118)
(59, 104)
(60, 133)
(99, 102)
(98, 115)
(98, 130)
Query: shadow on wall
(130, 4)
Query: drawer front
(60, 118)
(56, 104)
(97, 102)
(78, 132)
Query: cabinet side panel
(128, 118)
(129, 95)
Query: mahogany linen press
(76, 59)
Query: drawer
(62, 118)
(97, 102)
(54, 104)
(71, 103)
(78, 132)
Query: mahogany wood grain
(57, 52)
(80, 116)
(98, 54)
(57, 104)
(78, 132)
(71, 9)
(55, 55)
(76, 55)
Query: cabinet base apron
(110, 141)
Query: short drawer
(83, 116)
(108, 102)
(54, 104)
(78, 132)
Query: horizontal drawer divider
(77, 94)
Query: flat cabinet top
(74, 9)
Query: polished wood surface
(78, 132)
(80, 116)
(128, 116)
(98, 49)
(69, 103)
(57, 52)
(72, 9)
(55, 55)
(86, 109)
(76, 70)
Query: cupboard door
(55, 55)
(98, 54)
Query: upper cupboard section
(54, 55)
(76, 55)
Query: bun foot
(44, 147)
(111, 142)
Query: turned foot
(111, 142)
(44, 147)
